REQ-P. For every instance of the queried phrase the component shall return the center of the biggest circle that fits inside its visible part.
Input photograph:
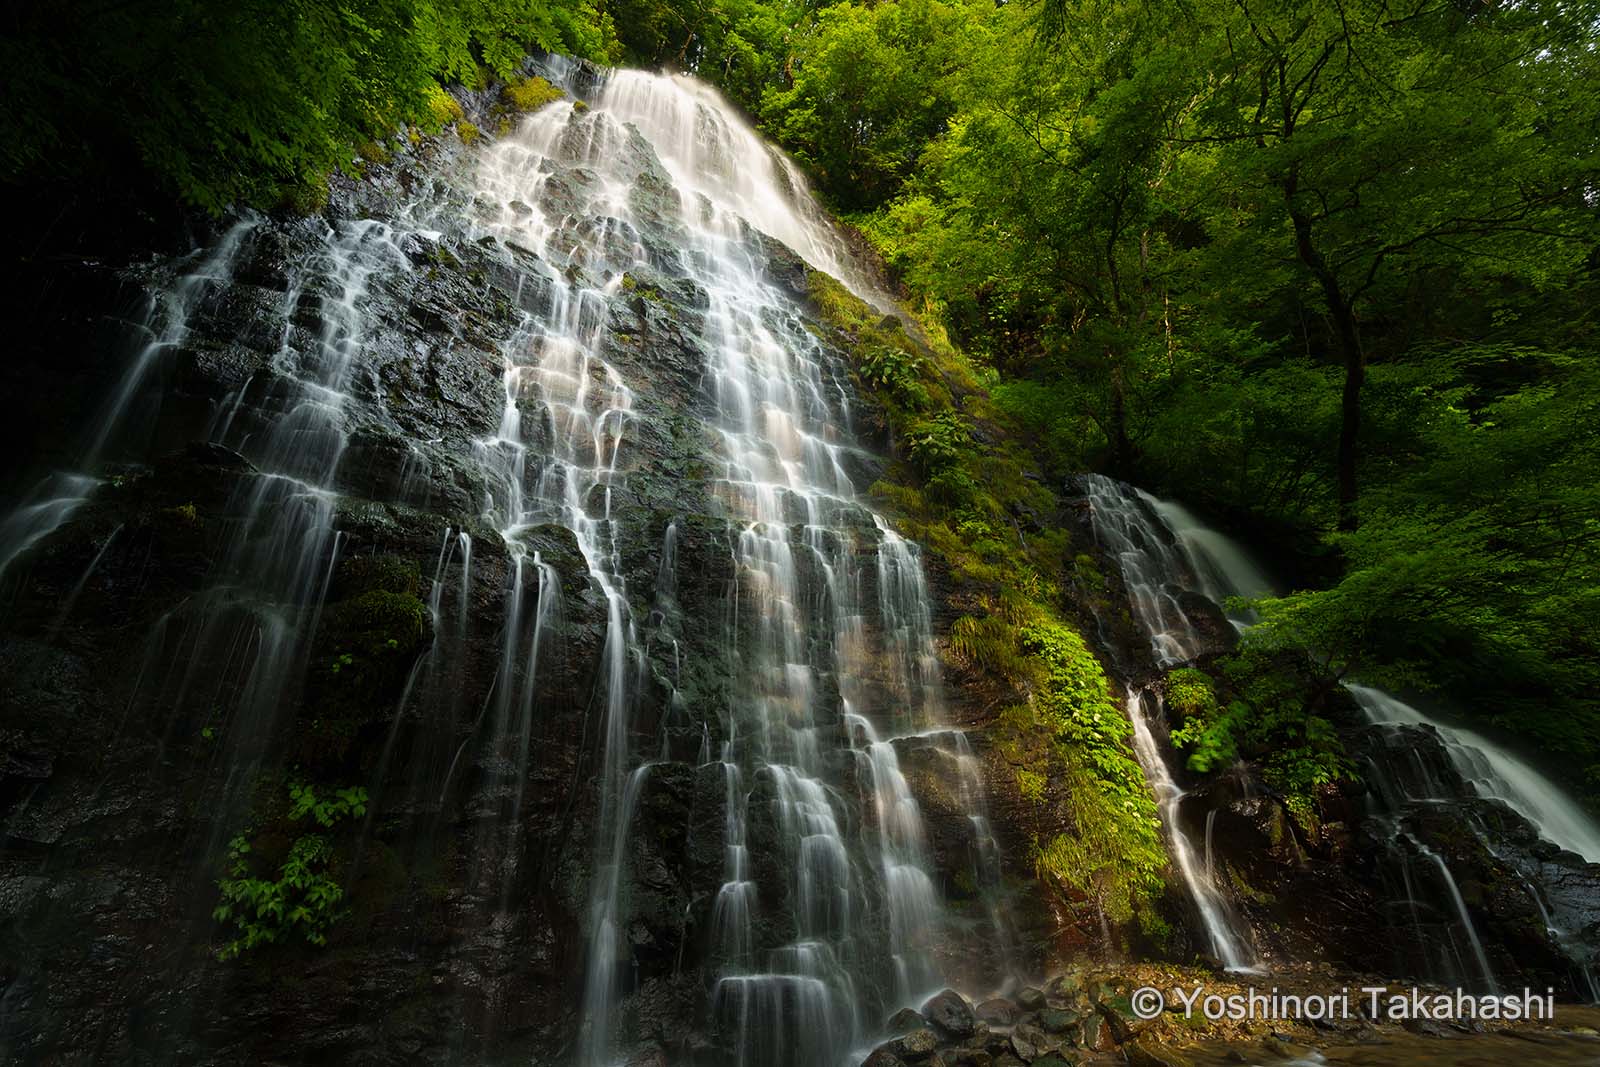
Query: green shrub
(896, 372)
(440, 109)
(304, 899)
(938, 443)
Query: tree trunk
(1121, 447)
(1355, 372)
(1348, 335)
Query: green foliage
(938, 443)
(325, 810)
(1073, 736)
(1269, 709)
(1314, 267)
(440, 109)
(1206, 727)
(249, 103)
(1478, 569)
(1190, 694)
(895, 372)
(867, 92)
(304, 899)
(989, 643)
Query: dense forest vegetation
(1325, 270)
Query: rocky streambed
(1091, 1017)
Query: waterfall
(779, 436)
(164, 324)
(1495, 773)
(649, 201)
(1486, 770)
(1167, 554)
(1157, 564)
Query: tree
(868, 90)
(1378, 140)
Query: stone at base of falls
(904, 1020)
(1064, 985)
(882, 1057)
(1030, 999)
(1029, 1042)
(950, 1012)
(917, 1044)
(1057, 1021)
(1147, 1054)
(997, 1011)
(1121, 1032)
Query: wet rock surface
(1087, 1017)
(137, 735)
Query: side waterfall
(1167, 556)
(1156, 565)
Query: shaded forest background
(1326, 272)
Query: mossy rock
(365, 646)
(364, 574)
(377, 622)
(530, 94)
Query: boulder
(917, 1044)
(1030, 1042)
(1116, 1025)
(905, 1019)
(997, 1011)
(1065, 986)
(950, 1012)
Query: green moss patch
(963, 487)
(530, 94)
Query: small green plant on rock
(938, 443)
(304, 899)
(894, 370)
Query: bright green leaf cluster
(304, 899)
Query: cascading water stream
(165, 322)
(1487, 771)
(1155, 566)
(779, 434)
(1168, 554)
(1495, 773)
(834, 699)
(1229, 936)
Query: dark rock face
(997, 1012)
(292, 572)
